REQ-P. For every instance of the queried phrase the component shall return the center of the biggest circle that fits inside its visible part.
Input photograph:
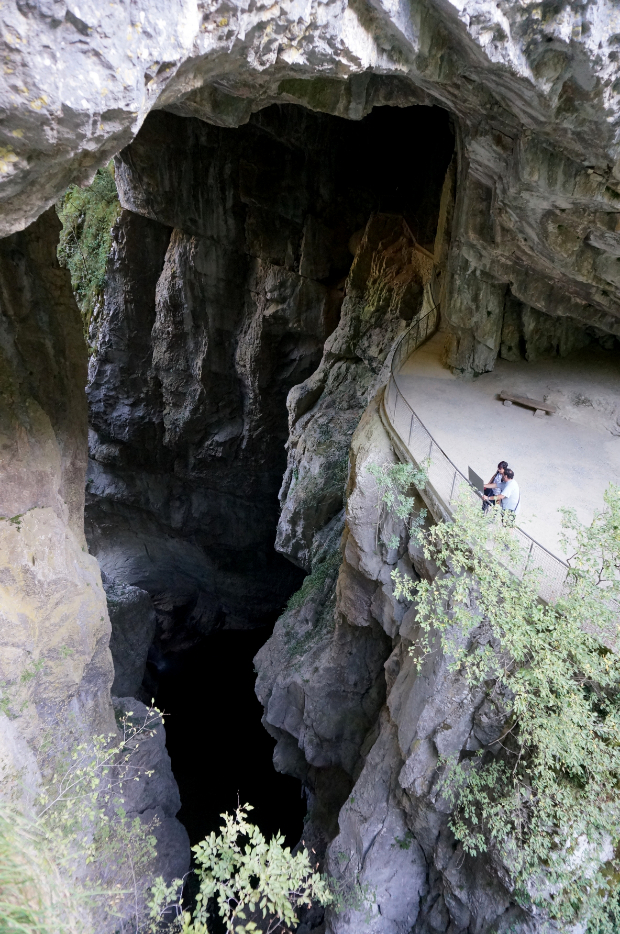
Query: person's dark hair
(509, 473)
(502, 465)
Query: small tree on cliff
(544, 797)
(258, 885)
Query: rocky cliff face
(364, 729)
(533, 89)
(393, 829)
(227, 275)
(354, 719)
(226, 292)
(55, 663)
(320, 676)
(55, 627)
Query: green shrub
(76, 864)
(258, 885)
(35, 897)
(73, 861)
(87, 216)
(324, 570)
(394, 486)
(544, 796)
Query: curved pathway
(563, 460)
(466, 417)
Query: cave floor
(566, 459)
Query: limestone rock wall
(201, 339)
(321, 675)
(384, 291)
(226, 277)
(55, 627)
(533, 90)
(238, 288)
(55, 662)
(364, 729)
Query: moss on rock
(87, 216)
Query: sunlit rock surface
(363, 728)
(55, 626)
(55, 663)
(529, 264)
(533, 90)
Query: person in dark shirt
(493, 487)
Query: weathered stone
(55, 626)
(376, 850)
(155, 798)
(133, 621)
(535, 97)
(230, 311)
(55, 662)
(324, 411)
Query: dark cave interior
(287, 164)
(220, 753)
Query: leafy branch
(544, 797)
(258, 885)
(394, 485)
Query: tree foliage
(544, 797)
(394, 487)
(73, 861)
(258, 885)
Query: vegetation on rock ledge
(87, 216)
(542, 797)
(74, 863)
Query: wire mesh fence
(447, 483)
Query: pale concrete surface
(567, 459)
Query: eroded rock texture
(225, 279)
(54, 619)
(384, 291)
(227, 275)
(321, 676)
(364, 729)
(533, 89)
(55, 663)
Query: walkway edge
(422, 449)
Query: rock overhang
(532, 88)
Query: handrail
(446, 482)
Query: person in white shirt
(509, 495)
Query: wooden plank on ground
(530, 403)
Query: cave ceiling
(532, 87)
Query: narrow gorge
(195, 345)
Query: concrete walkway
(567, 459)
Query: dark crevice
(220, 753)
(188, 397)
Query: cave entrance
(227, 274)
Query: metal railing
(446, 484)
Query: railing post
(452, 490)
(527, 560)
